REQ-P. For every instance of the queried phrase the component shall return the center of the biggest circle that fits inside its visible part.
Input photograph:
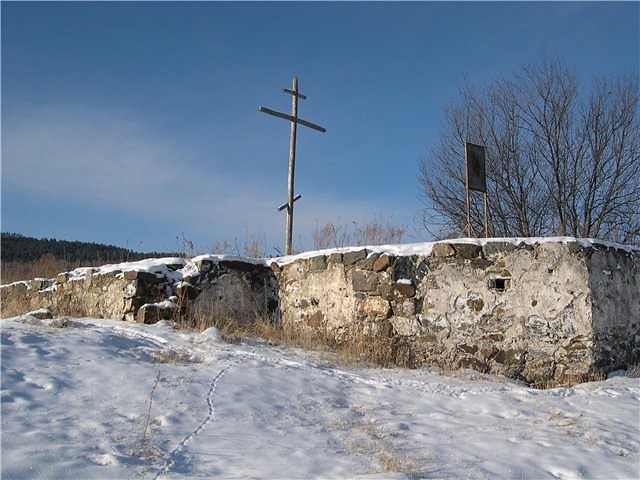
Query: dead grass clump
(377, 348)
(634, 371)
(569, 380)
(231, 330)
(372, 440)
(353, 348)
(174, 356)
(47, 266)
(144, 446)
(366, 349)
(63, 322)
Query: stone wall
(102, 296)
(554, 312)
(546, 312)
(237, 289)
(149, 291)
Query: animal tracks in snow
(176, 455)
(73, 398)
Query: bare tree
(330, 235)
(560, 160)
(377, 231)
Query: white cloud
(112, 160)
(95, 156)
(108, 159)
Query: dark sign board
(474, 157)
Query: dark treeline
(18, 248)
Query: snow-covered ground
(103, 399)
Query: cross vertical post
(292, 167)
(293, 118)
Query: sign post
(293, 118)
(476, 179)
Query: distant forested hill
(18, 248)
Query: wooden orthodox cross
(293, 118)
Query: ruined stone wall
(169, 289)
(551, 312)
(234, 289)
(102, 296)
(543, 313)
(614, 285)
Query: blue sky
(137, 124)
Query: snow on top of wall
(425, 248)
(216, 258)
(176, 268)
(162, 267)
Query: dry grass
(47, 266)
(174, 356)
(372, 440)
(633, 371)
(63, 322)
(570, 380)
(355, 349)
(377, 231)
(144, 447)
(234, 330)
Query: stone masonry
(548, 313)
(173, 288)
(553, 312)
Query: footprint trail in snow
(175, 455)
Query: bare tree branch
(560, 159)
